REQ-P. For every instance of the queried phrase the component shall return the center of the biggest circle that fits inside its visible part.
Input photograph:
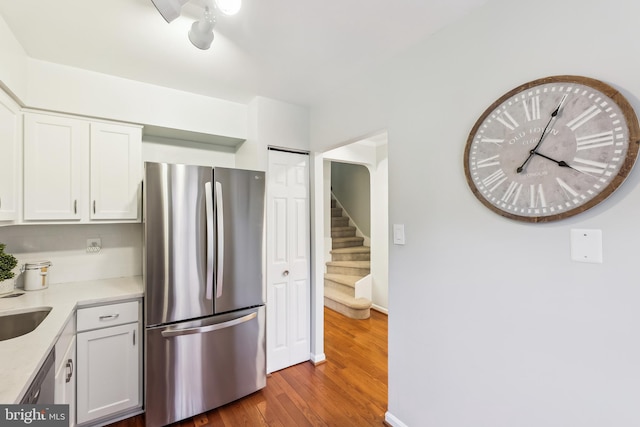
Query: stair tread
(343, 228)
(343, 279)
(348, 300)
(357, 264)
(351, 250)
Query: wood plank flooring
(350, 389)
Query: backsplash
(66, 247)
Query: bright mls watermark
(34, 415)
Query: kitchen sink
(17, 324)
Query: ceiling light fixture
(201, 32)
(169, 9)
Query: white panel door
(9, 157)
(116, 171)
(55, 165)
(108, 377)
(288, 260)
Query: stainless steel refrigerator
(204, 274)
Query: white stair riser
(347, 311)
(345, 289)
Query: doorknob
(285, 273)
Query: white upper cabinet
(77, 170)
(55, 165)
(115, 171)
(9, 157)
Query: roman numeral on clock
(589, 166)
(532, 109)
(568, 191)
(537, 197)
(508, 121)
(489, 161)
(513, 192)
(495, 179)
(496, 141)
(594, 141)
(583, 118)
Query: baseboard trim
(380, 309)
(318, 359)
(391, 420)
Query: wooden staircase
(350, 262)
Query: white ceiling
(292, 50)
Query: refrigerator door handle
(170, 332)
(220, 240)
(208, 197)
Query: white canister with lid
(36, 275)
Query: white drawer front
(107, 315)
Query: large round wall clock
(551, 148)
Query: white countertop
(21, 357)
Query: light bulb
(229, 7)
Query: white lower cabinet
(108, 359)
(65, 373)
(65, 379)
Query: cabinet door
(108, 379)
(65, 380)
(9, 157)
(116, 171)
(55, 153)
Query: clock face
(551, 148)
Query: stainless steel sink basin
(16, 324)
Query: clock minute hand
(554, 114)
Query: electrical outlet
(94, 245)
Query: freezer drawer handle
(168, 333)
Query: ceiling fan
(201, 32)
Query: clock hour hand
(554, 113)
(559, 162)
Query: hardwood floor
(350, 389)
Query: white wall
(272, 123)
(65, 246)
(492, 324)
(13, 66)
(76, 91)
(351, 185)
(162, 150)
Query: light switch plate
(586, 246)
(398, 234)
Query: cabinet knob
(285, 273)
